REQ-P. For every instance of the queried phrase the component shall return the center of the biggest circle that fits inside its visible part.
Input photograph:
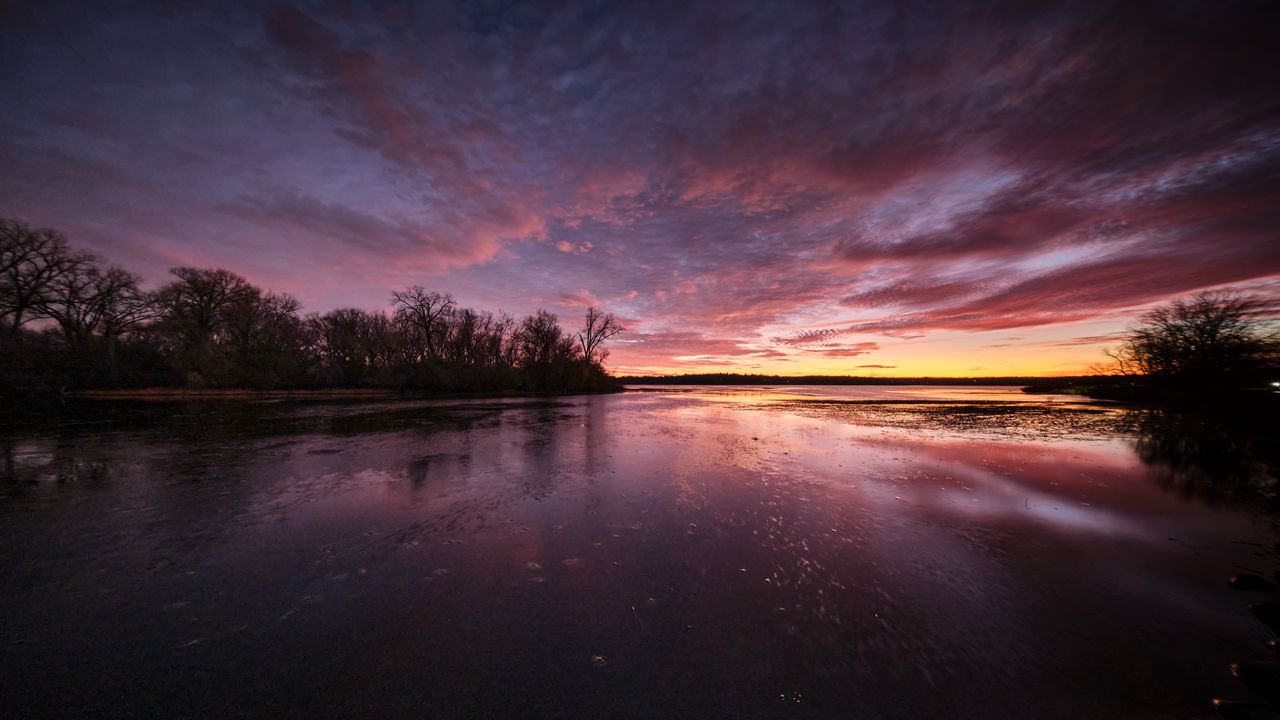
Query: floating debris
(1232, 710)
(1261, 678)
(1252, 583)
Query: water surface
(677, 552)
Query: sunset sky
(863, 188)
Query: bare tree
(90, 304)
(195, 306)
(264, 338)
(597, 328)
(539, 339)
(123, 306)
(352, 345)
(1210, 338)
(72, 301)
(463, 330)
(500, 345)
(424, 312)
(214, 326)
(31, 261)
(257, 318)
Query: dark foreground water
(721, 553)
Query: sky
(879, 188)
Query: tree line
(68, 321)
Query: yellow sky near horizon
(1068, 349)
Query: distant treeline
(68, 322)
(736, 379)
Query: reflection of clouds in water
(803, 550)
(770, 393)
(997, 497)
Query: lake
(726, 552)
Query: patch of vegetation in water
(994, 418)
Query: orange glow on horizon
(1047, 352)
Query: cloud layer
(846, 188)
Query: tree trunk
(113, 369)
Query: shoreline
(161, 393)
(232, 394)
(227, 394)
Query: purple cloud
(745, 184)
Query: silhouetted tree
(597, 327)
(462, 330)
(72, 300)
(539, 339)
(501, 343)
(352, 346)
(1210, 339)
(31, 262)
(264, 339)
(92, 307)
(123, 307)
(425, 313)
(194, 309)
(211, 326)
(544, 352)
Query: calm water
(681, 552)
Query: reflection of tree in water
(60, 460)
(1209, 457)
